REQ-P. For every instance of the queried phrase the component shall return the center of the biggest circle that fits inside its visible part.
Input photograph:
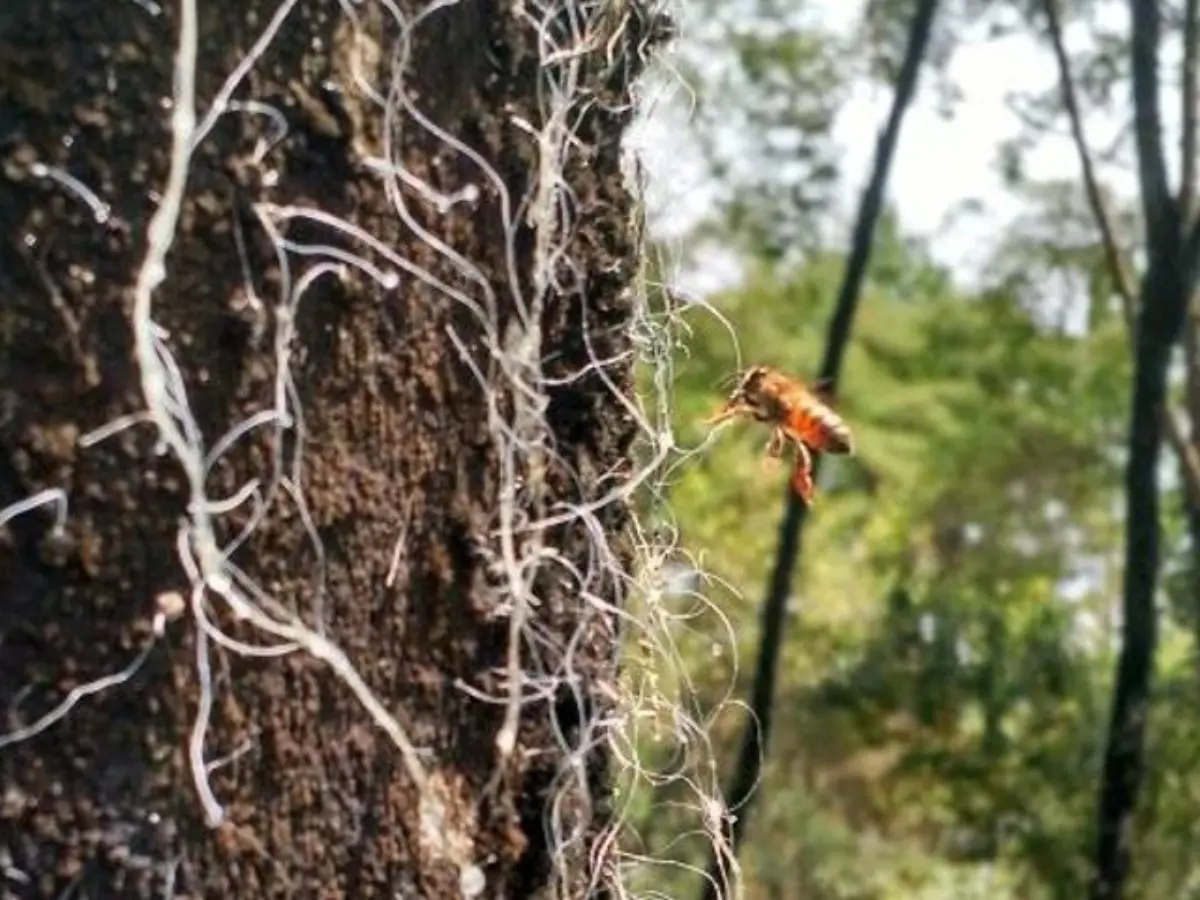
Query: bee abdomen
(838, 438)
(825, 431)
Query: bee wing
(825, 390)
(728, 381)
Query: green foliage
(947, 668)
(947, 675)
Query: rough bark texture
(396, 444)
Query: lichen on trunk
(339, 483)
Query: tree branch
(758, 728)
(1165, 293)
(1189, 456)
(1187, 176)
(1116, 263)
(1176, 433)
(1157, 203)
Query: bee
(799, 415)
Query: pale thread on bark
(251, 570)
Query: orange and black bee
(800, 415)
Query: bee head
(750, 397)
(750, 389)
(750, 394)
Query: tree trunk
(400, 251)
(1125, 750)
(752, 751)
(1166, 289)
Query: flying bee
(798, 415)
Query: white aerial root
(166, 611)
(213, 574)
(654, 700)
(541, 667)
(59, 712)
(55, 496)
(100, 210)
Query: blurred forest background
(952, 636)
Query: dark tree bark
(1166, 291)
(1125, 751)
(748, 767)
(1185, 447)
(1190, 139)
(376, 518)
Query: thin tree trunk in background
(1189, 141)
(1165, 293)
(1125, 750)
(1191, 492)
(341, 315)
(1185, 445)
(748, 767)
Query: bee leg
(775, 444)
(802, 476)
(725, 413)
(774, 450)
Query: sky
(939, 163)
